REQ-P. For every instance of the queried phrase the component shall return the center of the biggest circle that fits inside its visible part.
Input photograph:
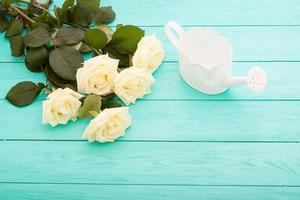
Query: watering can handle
(169, 31)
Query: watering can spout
(235, 80)
(256, 79)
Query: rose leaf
(96, 38)
(24, 93)
(91, 103)
(126, 39)
(65, 61)
(16, 45)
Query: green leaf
(93, 113)
(42, 17)
(124, 60)
(67, 15)
(91, 103)
(106, 29)
(8, 2)
(57, 81)
(105, 15)
(109, 96)
(110, 104)
(37, 37)
(82, 16)
(38, 24)
(3, 9)
(118, 26)
(126, 39)
(58, 14)
(92, 4)
(69, 36)
(24, 93)
(35, 58)
(67, 4)
(3, 23)
(65, 61)
(14, 28)
(16, 46)
(96, 38)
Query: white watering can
(205, 60)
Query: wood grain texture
(202, 12)
(138, 192)
(283, 82)
(182, 144)
(249, 43)
(173, 120)
(182, 163)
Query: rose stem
(32, 3)
(22, 14)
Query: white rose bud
(97, 75)
(109, 125)
(149, 54)
(61, 106)
(133, 83)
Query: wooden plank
(190, 12)
(183, 163)
(283, 82)
(258, 43)
(172, 120)
(137, 192)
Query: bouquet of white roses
(120, 69)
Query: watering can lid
(204, 46)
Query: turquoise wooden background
(182, 144)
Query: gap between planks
(146, 184)
(149, 141)
(172, 61)
(221, 25)
(191, 100)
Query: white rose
(133, 83)
(109, 125)
(149, 54)
(97, 75)
(61, 106)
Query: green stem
(32, 3)
(40, 7)
(22, 13)
(37, 6)
(95, 50)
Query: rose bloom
(133, 83)
(149, 54)
(97, 75)
(61, 106)
(109, 125)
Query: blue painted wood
(184, 163)
(258, 43)
(173, 120)
(137, 192)
(190, 12)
